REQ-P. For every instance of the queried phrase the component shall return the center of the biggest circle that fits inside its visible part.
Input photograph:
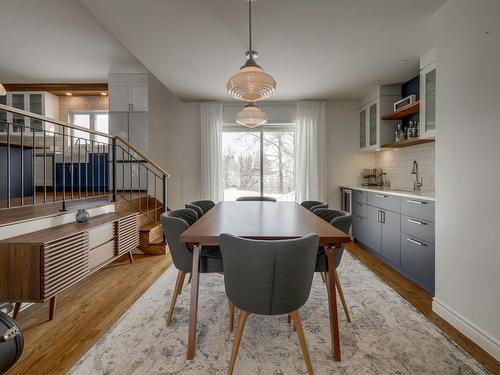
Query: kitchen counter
(428, 195)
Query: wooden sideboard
(37, 266)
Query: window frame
(269, 127)
(92, 120)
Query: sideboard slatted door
(64, 262)
(127, 233)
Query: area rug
(386, 336)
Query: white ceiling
(56, 41)
(313, 48)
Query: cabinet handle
(381, 196)
(416, 242)
(378, 217)
(415, 202)
(416, 222)
(383, 216)
(357, 204)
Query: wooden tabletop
(261, 220)
(65, 230)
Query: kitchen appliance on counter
(374, 177)
(405, 102)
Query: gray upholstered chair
(314, 205)
(174, 223)
(195, 208)
(205, 205)
(268, 278)
(256, 198)
(341, 220)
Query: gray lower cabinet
(399, 230)
(417, 261)
(374, 231)
(391, 236)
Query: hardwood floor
(84, 313)
(422, 301)
(89, 309)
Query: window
(91, 120)
(259, 161)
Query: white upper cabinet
(128, 92)
(38, 102)
(428, 94)
(374, 132)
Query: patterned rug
(386, 335)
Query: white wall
(174, 142)
(342, 142)
(467, 169)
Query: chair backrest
(314, 205)
(187, 214)
(198, 210)
(174, 224)
(339, 219)
(268, 277)
(205, 205)
(257, 198)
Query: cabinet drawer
(387, 202)
(101, 235)
(418, 208)
(422, 229)
(64, 262)
(358, 209)
(359, 228)
(417, 261)
(101, 254)
(128, 234)
(359, 196)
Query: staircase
(52, 168)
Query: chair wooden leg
(237, 339)
(52, 308)
(17, 308)
(302, 341)
(231, 316)
(190, 277)
(182, 283)
(130, 257)
(178, 286)
(341, 295)
(322, 276)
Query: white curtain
(211, 151)
(310, 151)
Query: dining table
(263, 221)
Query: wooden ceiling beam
(77, 89)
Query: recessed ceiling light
(403, 62)
(104, 93)
(69, 94)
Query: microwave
(404, 102)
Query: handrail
(21, 112)
(142, 156)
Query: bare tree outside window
(242, 164)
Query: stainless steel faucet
(417, 184)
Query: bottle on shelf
(399, 134)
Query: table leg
(193, 308)
(332, 302)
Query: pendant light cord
(250, 29)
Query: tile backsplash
(398, 164)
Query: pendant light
(251, 83)
(251, 116)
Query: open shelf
(408, 110)
(408, 143)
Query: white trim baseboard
(469, 329)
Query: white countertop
(428, 195)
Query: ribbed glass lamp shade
(251, 116)
(3, 92)
(251, 83)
